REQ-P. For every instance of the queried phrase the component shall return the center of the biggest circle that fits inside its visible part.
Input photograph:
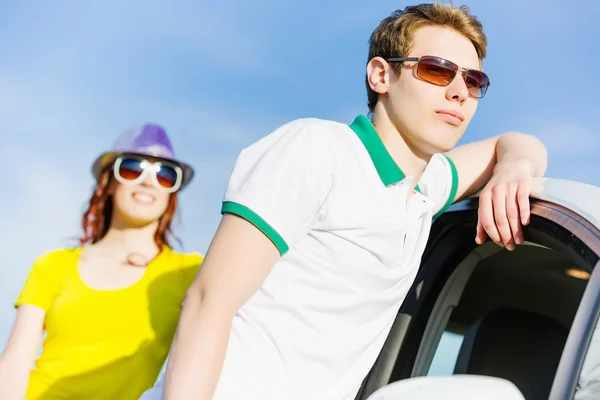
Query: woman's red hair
(96, 219)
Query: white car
(525, 317)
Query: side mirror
(456, 387)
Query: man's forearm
(516, 147)
(198, 351)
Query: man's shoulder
(323, 128)
(306, 132)
(315, 123)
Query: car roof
(579, 197)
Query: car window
(514, 325)
(484, 310)
(588, 386)
(445, 355)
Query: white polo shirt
(333, 201)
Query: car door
(527, 315)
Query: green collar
(388, 170)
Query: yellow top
(104, 344)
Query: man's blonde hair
(394, 35)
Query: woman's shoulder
(52, 265)
(183, 260)
(58, 257)
(180, 266)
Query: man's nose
(457, 89)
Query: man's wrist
(524, 150)
(515, 163)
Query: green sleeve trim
(453, 190)
(254, 219)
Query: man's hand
(504, 204)
(503, 167)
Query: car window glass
(588, 386)
(445, 355)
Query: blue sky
(219, 75)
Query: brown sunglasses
(441, 72)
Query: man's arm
(238, 260)
(503, 167)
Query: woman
(110, 306)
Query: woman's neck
(125, 238)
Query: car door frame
(584, 323)
(549, 222)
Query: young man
(324, 224)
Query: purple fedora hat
(144, 140)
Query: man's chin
(435, 148)
(447, 141)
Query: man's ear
(378, 75)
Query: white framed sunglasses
(132, 170)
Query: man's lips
(451, 116)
